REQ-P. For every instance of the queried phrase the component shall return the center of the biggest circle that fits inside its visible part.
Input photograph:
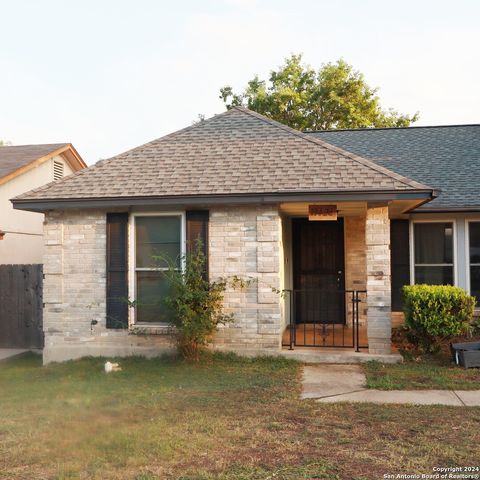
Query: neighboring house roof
(238, 152)
(17, 159)
(445, 157)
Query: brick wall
(75, 291)
(243, 241)
(355, 264)
(377, 235)
(246, 242)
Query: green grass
(428, 372)
(223, 418)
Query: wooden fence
(21, 306)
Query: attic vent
(57, 170)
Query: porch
(325, 319)
(336, 278)
(325, 336)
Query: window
(57, 170)
(433, 253)
(158, 238)
(474, 259)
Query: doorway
(318, 271)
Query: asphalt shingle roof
(444, 157)
(236, 152)
(14, 157)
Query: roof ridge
(411, 127)
(363, 161)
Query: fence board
(21, 306)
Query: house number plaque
(322, 212)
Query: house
(335, 226)
(23, 168)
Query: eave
(202, 200)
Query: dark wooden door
(318, 271)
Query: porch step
(309, 355)
(318, 355)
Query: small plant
(476, 326)
(435, 313)
(195, 303)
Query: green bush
(196, 303)
(434, 313)
(476, 326)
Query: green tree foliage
(434, 313)
(335, 96)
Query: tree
(336, 96)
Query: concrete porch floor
(337, 355)
(322, 349)
(327, 334)
(11, 352)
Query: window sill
(152, 329)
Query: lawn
(223, 418)
(428, 372)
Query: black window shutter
(197, 227)
(117, 270)
(400, 260)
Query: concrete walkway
(11, 352)
(347, 383)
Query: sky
(108, 75)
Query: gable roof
(17, 159)
(238, 152)
(445, 157)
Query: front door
(318, 271)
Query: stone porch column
(377, 236)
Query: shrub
(476, 326)
(195, 303)
(434, 313)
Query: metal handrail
(355, 317)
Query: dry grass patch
(223, 418)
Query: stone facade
(242, 241)
(245, 241)
(356, 264)
(377, 236)
(75, 292)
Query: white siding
(26, 245)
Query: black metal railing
(325, 318)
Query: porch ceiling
(397, 208)
(345, 209)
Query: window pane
(152, 288)
(474, 240)
(157, 236)
(433, 242)
(475, 283)
(434, 275)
